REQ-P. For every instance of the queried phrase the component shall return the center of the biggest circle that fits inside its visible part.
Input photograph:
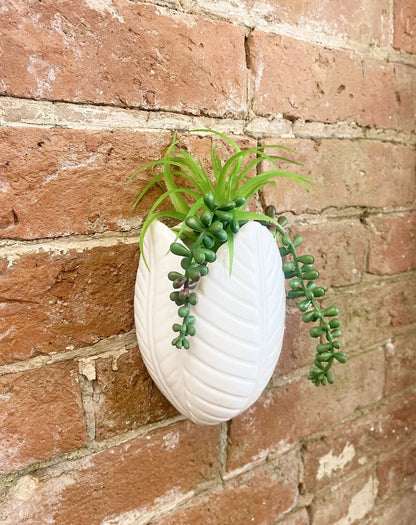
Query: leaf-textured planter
(239, 321)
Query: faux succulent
(212, 213)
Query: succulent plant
(212, 214)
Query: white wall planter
(239, 322)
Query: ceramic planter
(239, 325)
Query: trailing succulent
(211, 216)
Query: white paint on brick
(361, 503)
(330, 463)
(105, 6)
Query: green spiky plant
(212, 214)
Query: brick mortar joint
(91, 449)
(112, 346)
(65, 115)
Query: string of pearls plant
(215, 215)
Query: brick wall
(91, 90)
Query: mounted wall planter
(215, 284)
(239, 322)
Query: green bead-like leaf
(173, 276)
(341, 357)
(183, 311)
(295, 294)
(209, 200)
(240, 201)
(306, 259)
(179, 249)
(235, 226)
(297, 241)
(332, 311)
(193, 299)
(304, 305)
(311, 275)
(203, 270)
(224, 216)
(288, 266)
(307, 317)
(323, 348)
(316, 331)
(295, 283)
(334, 323)
(194, 224)
(319, 291)
(208, 242)
(221, 235)
(199, 255)
(206, 218)
(227, 206)
(210, 256)
(191, 330)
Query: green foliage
(212, 214)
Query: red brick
(337, 453)
(400, 364)
(346, 173)
(298, 347)
(59, 181)
(41, 415)
(392, 244)
(284, 415)
(399, 510)
(53, 300)
(127, 396)
(330, 85)
(260, 496)
(398, 471)
(347, 502)
(405, 25)
(339, 249)
(375, 312)
(133, 476)
(365, 21)
(124, 54)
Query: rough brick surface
(400, 364)
(41, 415)
(52, 301)
(337, 453)
(398, 470)
(134, 475)
(365, 21)
(376, 313)
(260, 496)
(347, 502)
(392, 244)
(59, 182)
(399, 510)
(330, 85)
(323, 240)
(298, 347)
(126, 395)
(122, 53)
(346, 173)
(405, 25)
(284, 415)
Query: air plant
(209, 212)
